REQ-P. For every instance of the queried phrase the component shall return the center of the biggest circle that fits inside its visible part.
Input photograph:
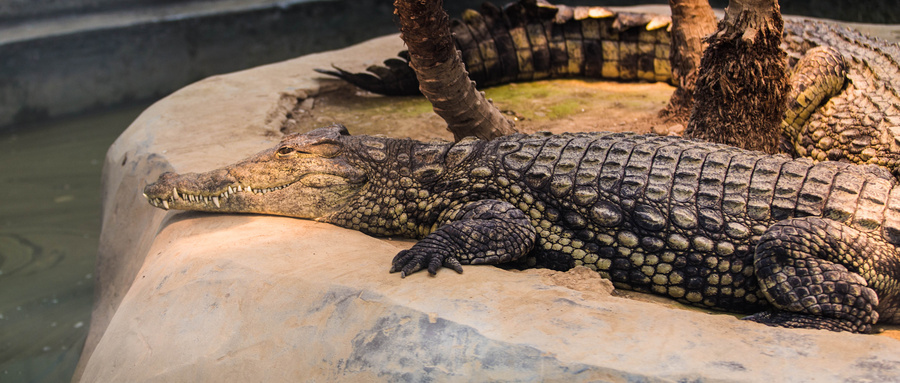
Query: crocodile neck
(411, 184)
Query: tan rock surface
(201, 297)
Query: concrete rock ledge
(201, 297)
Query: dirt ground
(557, 106)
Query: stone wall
(19, 10)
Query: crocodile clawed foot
(410, 261)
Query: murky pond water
(49, 230)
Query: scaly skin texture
(847, 104)
(861, 122)
(797, 243)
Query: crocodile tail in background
(857, 120)
(533, 40)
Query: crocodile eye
(285, 150)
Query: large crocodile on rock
(794, 243)
(845, 103)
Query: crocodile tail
(533, 40)
(395, 78)
(818, 76)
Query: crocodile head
(305, 176)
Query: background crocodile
(845, 105)
(797, 243)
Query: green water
(49, 230)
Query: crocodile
(845, 103)
(791, 242)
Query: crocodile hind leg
(481, 232)
(812, 270)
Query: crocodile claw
(410, 261)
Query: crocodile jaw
(312, 196)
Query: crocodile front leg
(481, 232)
(812, 270)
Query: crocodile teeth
(216, 201)
(249, 189)
(174, 193)
(230, 190)
(165, 204)
(146, 196)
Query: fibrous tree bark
(692, 22)
(740, 93)
(425, 28)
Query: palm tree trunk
(740, 93)
(425, 28)
(692, 22)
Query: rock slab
(202, 297)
